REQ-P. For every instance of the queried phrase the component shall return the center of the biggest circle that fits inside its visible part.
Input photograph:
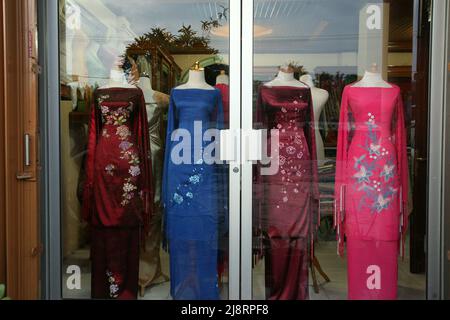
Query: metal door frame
(241, 57)
(48, 11)
(439, 152)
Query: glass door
(147, 90)
(335, 94)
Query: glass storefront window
(336, 89)
(338, 100)
(144, 204)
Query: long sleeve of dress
(402, 165)
(88, 194)
(141, 132)
(341, 169)
(310, 133)
(171, 127)
(223, 181)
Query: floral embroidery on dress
(135, 171)
(388, 172)
(110, 169)
(123, 132)
(292, 149)
(105, 134)
(128, 192)
(118, 118)
(378, 187)
(114, 284)
(186, 192)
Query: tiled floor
(411, 287)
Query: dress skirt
(287, 261)
(115, 263)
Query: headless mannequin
(196, 81)
(320, 98)
(372, 79)
(146, 86)
(223, 78)
(285, 78)
(117, 80)
(150, 268)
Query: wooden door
(19, 110)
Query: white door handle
(252, 144)
(228, 145)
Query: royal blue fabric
(195, 203)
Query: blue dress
(194, 193)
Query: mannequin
(320, 98)
(196, 80)
(223, 78)
(193, 190)
(372, 79)
(150, 268)
(117, 80)
(285, 78)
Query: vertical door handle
(26, 175)
(26, 143)
(252, 142)
(228, 145)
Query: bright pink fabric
(371, 176)
(372, 269)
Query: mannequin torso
(320, 98)
(117, 80)
(223, 79)
(286, 79)
(196, 81)
(146, 86)
(372, 80)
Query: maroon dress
(118, 194)
(289, 197)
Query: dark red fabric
(287, 262)
(115, 263)
(289, 198)
(117, 200)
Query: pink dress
(372, 189)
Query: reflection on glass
(333, 91)
(131, 221)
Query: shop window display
(136, 223)
(145, 205)
(334, 196)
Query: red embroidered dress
(118, 192)
(371, 187)
(290, 196)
